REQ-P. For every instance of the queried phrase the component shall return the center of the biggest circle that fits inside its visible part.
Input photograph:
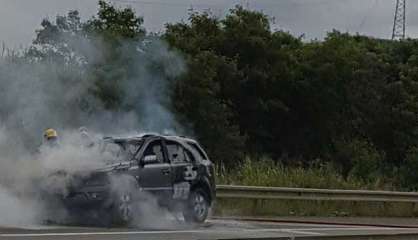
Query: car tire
(123, 209)
(197, 207)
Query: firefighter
(86, 139)
(50, 138)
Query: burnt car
(173, 170)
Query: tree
(112, 22)
(252, 88)
(57, 41)
(249, 90)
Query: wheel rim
(199, 206)
(125, 208)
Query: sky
(311, 18)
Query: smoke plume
(60, 92)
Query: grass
(268, 173)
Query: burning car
(174, 170)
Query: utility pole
(399, 20)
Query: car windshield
(119, 152)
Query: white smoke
(147, 212)
(36, 95)
(18, 211)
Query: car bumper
(92, 197)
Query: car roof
(141, 137)
(180, 138)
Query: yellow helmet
(50, 133)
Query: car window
(113, 153)
(155, 148)
(177, 153)
(188, 155)
(132, 147)
(199, 150)
(119, 152)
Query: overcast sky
(20, 18)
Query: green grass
(269, 173)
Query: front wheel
(197, 207)
(123, 209)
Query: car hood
(103, 174)
(115, 167)
(64, 181)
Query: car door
(155, 176)
(182, 165)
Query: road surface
(214, 229)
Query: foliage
(266, 172)
(295, 101)
(115, 23)
(359, 158)
(408, 173)
(348, 101)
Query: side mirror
(149, 159)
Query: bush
(358, 159)
(408, 173)
(266, 172)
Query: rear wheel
(197, 207)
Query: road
(214, 229)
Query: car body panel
(168, 179)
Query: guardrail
(249, 192)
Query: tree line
(248, 91)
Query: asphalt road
(214, 229)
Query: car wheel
(197, 207)
(123, 209)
